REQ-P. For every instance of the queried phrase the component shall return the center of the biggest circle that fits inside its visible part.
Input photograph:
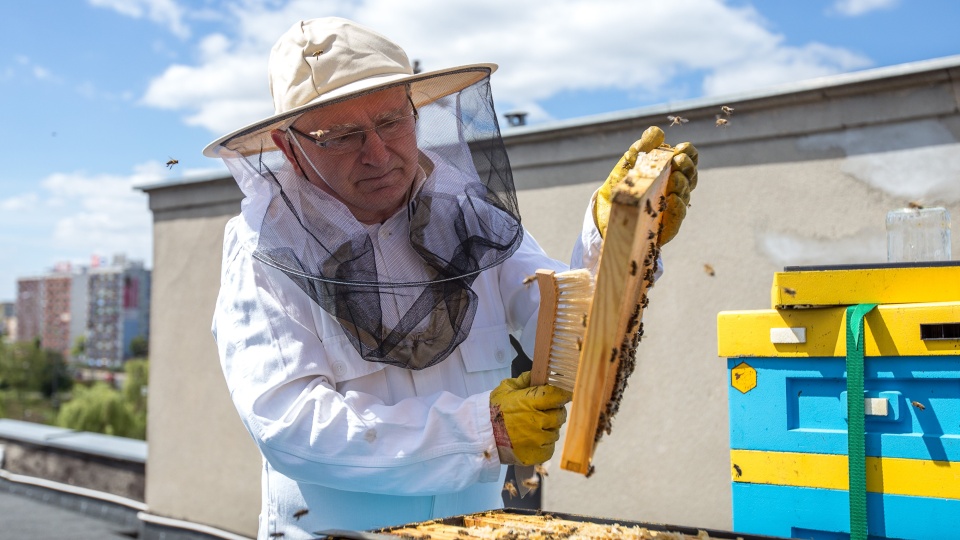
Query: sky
(98, 95)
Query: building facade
(29, 307)
(105, 305)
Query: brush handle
(547, 282)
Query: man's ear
(280, 139)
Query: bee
(510, 488)
(529, 279)
(317, 54)
(709, 269)
(739, 471)
(915, 205)
(649, 207)
(583, 320)
(171, 163)
(677, 120)
(531, 483)
(580, 341)
(788, 290)
(722, 122)
(633, 268)
(487, 454)
(918, 405)
(726, 110)
(541, 469)
(318, 133)
(590, 472)
(300, 513)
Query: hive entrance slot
(940, 331)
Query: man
(371, 284)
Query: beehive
(788, 368)
(515, 524)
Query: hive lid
(889, 283)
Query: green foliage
(26, 367)
(139, 347)
(101, 409)
(79, 349)
(135, 385)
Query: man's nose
(374, 150)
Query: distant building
(105, 304)
(29, 309)
(119, 310)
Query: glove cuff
(501, 437)
(500, 434)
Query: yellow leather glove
(526, 420)
(682, 181)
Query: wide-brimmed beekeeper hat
(322, 61)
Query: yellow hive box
(860, 284)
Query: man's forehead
(358, 109)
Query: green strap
(856, 451)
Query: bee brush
(565, 299)
(564, 307)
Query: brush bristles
(574, 294)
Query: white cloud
(855, 8)
(19, 203)
(164, 12)
(72, 215)
(781, 65)
(35, 70)
(546, 48)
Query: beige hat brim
(425, 88)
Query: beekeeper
(370, 285)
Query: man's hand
(682, 181)
(526, 420)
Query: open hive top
(509, 526)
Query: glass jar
(918, 234)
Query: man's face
(373, 180)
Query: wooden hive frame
(627, 265)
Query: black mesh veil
(407, 303)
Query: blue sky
(99, 94)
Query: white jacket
(363, 445)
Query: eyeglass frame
(324, 145)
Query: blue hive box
(788, 404)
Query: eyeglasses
(338, 143)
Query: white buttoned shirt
(357, 444)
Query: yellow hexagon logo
(743, 377)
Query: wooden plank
(624, 275)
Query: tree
(139, 347)
(26, 367)
(79, 349)
(135, 385)
(101, 409)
